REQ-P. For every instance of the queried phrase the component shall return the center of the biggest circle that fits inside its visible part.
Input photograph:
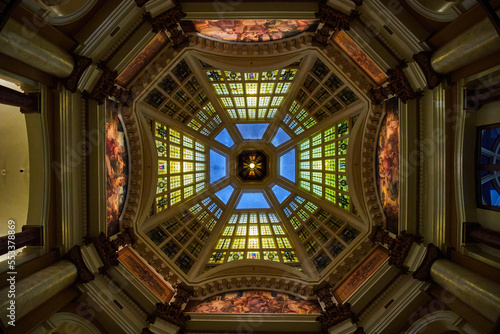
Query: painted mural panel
(388, 165)
(359, 56)
(116, 168)
(253, 30)
(145, 56)
(150, 278)
(361, 274)
(254, 301)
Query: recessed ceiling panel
(280, 193)
(252, 200)
(280, 137)
(218, 163)
(225, 138)
(252, 131)
(287, 165)
(225, 194)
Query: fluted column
(37, 288)
(30, 236)
(17, 41)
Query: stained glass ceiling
(207, 117)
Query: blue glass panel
(280, 137)
(252, 131)
(224, 138)
(280, 193)
(252, 201)
(217, 166)
(225, 194)
(287, 165)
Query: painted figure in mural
(255, 302)
(116, 166)
(251, 30)
(388, 166)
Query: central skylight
(260, 161)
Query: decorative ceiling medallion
(252, 165)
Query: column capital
(74, 255)
(169, 21)
(398, 85)
(332, 20)
(324, 294)
(335, 315)
(108, 249)
(106, 86)
(399, 247)
(423, 60)
(81, 64)
(423, 272)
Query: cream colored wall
(14, 156)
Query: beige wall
(14, 156)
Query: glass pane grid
(322, 94)
(180, 96)
(320, 232)
(181, 166)
(322, 167)
(251, 96)
(183, 236)
(254, 235)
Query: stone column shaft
(34, 290)
(479, 41)
(17, 41)
(480, 293)
(29, 236)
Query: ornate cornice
(335, 315)
(81, 64)
(423, 60)
(169, 21)
(108, 249)
(397, 85)
(423, 272)
(332, 20)
(74, 255)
